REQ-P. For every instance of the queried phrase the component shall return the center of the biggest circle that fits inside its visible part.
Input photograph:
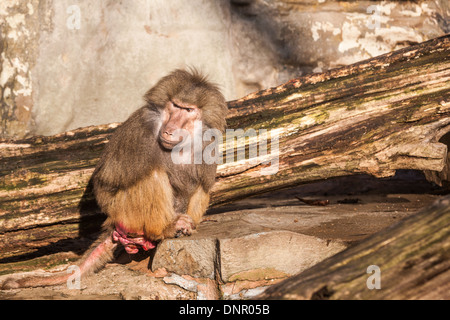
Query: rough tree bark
(375, 117)
(413, 258)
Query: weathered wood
(413, 257)
(373, 117)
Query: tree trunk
(375, 117)
(413, 258)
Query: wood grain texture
(375, 117)
(413, 257)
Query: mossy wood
(375, 117)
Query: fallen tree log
(375, 117)
(411, 259)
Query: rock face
(247, 249)
(66, 65)
(94, 61)
(272, 255)
(259, 255)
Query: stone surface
(114, 282)
(280, 240)
(193, 257)
(274, 254)
(243, 248)
(239, 289)
(68, 64)
(19, 48)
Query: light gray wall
(59, 73)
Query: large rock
(273, 254)
(275, 242)
(196, 258)
(261, 255)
